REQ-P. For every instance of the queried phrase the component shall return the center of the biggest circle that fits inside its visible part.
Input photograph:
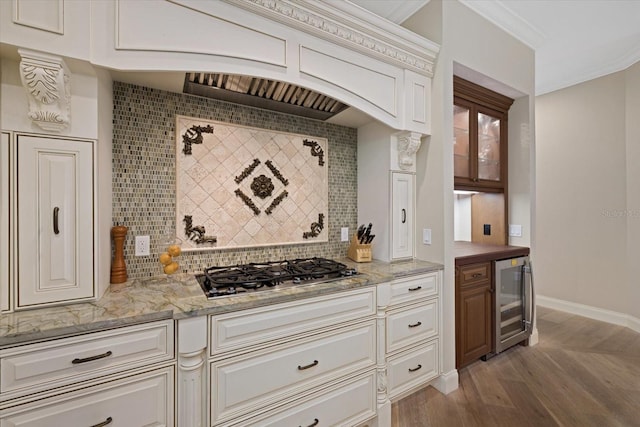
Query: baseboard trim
(595, 313)
(447, 382)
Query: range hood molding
(336, 49)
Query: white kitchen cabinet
(145, 399)
(386, 189)
(126, 375)
(34, 368)
(290, 362)
(411, 369)
(348, 403)
(411, 350)
(55, 254)
(402, 214)
(4, 222)
(252, 381)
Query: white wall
(462, 217)
(582, 194)
(492, 55)
(632, 119)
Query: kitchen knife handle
(104, 423)
(404, 216)
(56, 211)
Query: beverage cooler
(514, 302)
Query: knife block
(359, 252)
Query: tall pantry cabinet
(52, 217)
(386, 189)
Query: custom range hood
(257, 92)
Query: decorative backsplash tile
(240, 186)
(144, 175)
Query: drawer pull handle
(92, 358)
(415, 325)
(104, 423)
(415, 369)
(310, 365)
(476, 275)
(417, 288)
(56, 211)
(314, 423)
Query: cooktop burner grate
(231, 280)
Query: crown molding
(502, 16)
(352, 27)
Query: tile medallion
(240, 186)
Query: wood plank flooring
(582, 373)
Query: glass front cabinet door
(479, 137)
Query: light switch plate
(515, 230)
(142, 245)
(344, 234)
(426, 236)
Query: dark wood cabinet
(474, 311)
(475, 298)
(480, 137)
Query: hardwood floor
(581, 373)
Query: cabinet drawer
(251, 381)
(412, 368)
(474, 273)
(410, 289)
(140, 400)
(36, 367)
(251, 328)
(346, 404)
(411, 325)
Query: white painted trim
(447, 382)
(504, 17)
(595, 313)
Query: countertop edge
(141, 301)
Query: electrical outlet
(344, 234)
(142, 245)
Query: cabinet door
(4, 221)
(475, 334)
(55, 230)
(402, 215)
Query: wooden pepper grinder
(118, 266)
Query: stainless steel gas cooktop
(237, 279)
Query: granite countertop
(178, 297)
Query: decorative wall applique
(248, 186)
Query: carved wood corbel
(46, 80)
(408, 145)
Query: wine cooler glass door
(513, 298)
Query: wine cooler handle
(528, 270)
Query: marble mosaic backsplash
(144, 175)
